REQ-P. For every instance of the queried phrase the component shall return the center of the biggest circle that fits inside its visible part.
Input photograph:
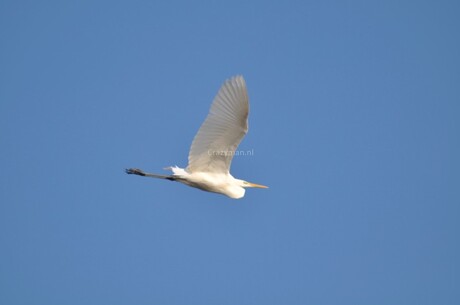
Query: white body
(210, 182)
(213, 147)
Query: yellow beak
(257, 185)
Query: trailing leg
(139, 172)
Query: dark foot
(134, 171)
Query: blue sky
(354, 124)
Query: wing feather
(220, 134)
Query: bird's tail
(177, 171)
(139, 172)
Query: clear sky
(354, 125)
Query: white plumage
(214, 145)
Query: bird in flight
(214, 145)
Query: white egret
(215, 144)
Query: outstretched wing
(220, 134)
